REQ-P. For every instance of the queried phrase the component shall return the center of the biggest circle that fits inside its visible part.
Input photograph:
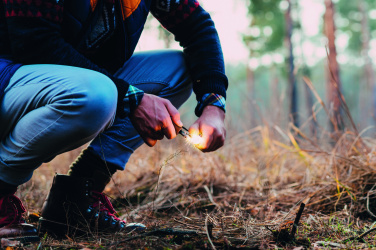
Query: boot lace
(11, 210)
(105, 206)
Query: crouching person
(68, 76)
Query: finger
(157, 135)
(174, 113)
(207, 143)
(209, 139)
(169, 129)
(194, 129)
(199, 136)
(217, 141)
(220, 140)
(150, 142)
(177, 128)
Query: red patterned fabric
(171, 14)
(48, 9)
(11, 210)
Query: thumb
(174, 113)
(194, 129)
(150, 142)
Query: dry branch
(296, 222)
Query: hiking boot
(77, 207)
(12, 224)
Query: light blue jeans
(51, 109)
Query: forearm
(195, 31)
(204, 54)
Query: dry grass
(244, 195)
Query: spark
(195, 139)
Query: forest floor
(247, 195)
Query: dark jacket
(55, 31)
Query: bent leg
(162, 73)
(47, 110)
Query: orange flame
(195, 139)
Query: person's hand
(210, 127)
(154, 118)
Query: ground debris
(244, 189)
(333, 245)
(360, 237)
(5, 243)
(283, 233)
(158, 232)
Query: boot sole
(58, 230)
(24, 239)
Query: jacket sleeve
(35, 37)
(194, 29)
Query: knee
(176, 58)
(96, 104)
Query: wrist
(134, 96)
(214, 110)
(210, 99)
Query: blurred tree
(306, 72)
(312, 123)
(333, 79)
(267, 27)
(365, 108)
(355, 23)
(250, 78)
(165, 36)
(365, 39)
(291, 67)
(271, 24)
(353, 19)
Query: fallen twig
(210, 195)
(368, 210)
(209, 231)
(329, 244)
(296, 222)
(157, 232)
(360, 237)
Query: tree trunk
(275, 100)
(309, 104)
(368, 68)
(306, 72)
(333, 79)
(292, 80)
(250, 90)
(165, 36)
(366, 37)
